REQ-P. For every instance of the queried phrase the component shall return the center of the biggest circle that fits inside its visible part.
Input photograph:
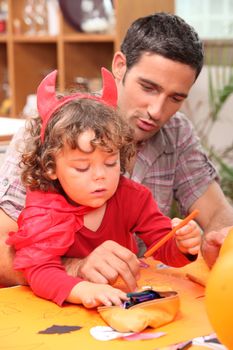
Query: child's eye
(81, 170)
(112, 164)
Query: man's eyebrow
(147, 81)
(152, 83)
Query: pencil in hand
(170, 234)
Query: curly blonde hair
(39, 159)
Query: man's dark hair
(164, 34)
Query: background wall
(197, 109)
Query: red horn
(109, 94)
(46, 98)
(47, 102)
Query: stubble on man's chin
(141, 139)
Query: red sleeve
(44, 236)
(151, 225)
(51, 281)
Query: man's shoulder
(178, 121)
(173, 134)
(178, 130)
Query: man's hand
(105, 264)
(211, 244)
(8, 276)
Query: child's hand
(188, 238)
(93, 294)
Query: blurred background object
(30, 108)
(210, 101)
(29, 16)
(90, 16)
(213, 19)
(3, 16)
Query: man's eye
(147, 87)
(177, 99)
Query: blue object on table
(140, 297)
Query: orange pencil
(151, 250)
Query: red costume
(50, 227)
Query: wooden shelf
(3, 38)
(25, 59)
(89, 37)
(23, 38)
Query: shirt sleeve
(152, 226)
(194, 171)
(44, 236)
(12, 192)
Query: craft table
(23, 315)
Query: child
(77, 197)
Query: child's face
(88, 179)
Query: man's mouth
(146, 124)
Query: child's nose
(99, 173)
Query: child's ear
(119, 66)
(51, 174)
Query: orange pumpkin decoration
(219, 293)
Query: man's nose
(156, 108)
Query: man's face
(151, 91)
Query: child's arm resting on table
(92, 294)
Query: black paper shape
(58, 329)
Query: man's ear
(119, 66)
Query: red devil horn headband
(47, 102)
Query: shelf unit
(25, 59)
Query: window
(212, 19)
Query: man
(160, 59)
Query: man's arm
(8, 276)
(215, 218)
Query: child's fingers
(188, 228)
(116, 300)
(175, 221)
(116, 296)
(90, 302)
(189, 245)
(182, 237)
(191, 229)
(111, 296)
(194, 250)
(188, 238)
(188, 241)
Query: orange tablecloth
(23, 315)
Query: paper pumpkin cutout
(153, 313)
(219, 293)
